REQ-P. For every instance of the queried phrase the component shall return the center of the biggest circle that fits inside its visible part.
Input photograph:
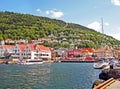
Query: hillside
(25, 26)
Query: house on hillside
(41, 40)
(10, 41)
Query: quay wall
(72, 61)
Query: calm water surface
(48, 76)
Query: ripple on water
(48, 76)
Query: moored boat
(101, 64)
(31, 61)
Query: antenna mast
(102, 25)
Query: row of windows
(36, 54)
(26, 54)
(41, 54)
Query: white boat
(115, 64)
(101, 64)
(31, 61)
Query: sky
(89, 13)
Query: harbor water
(48, 76)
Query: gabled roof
(43, 48)
(8, 46)
(21, 46)
(32, 47)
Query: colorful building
(78, 54)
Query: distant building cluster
(89, 54)
(25, 51)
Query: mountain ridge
(26, 26)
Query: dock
(76, 61)
(109, 84)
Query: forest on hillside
(30, 27)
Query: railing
(105, 84)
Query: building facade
(104, 52)
(27, 51)
(5, 50)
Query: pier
(109, 84)
(108, 79)
(75, 61)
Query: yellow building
(117, 53)
(104, 52)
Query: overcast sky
(84, 12)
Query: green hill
(25, 26)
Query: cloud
(115, 35)
(54, 13)
(106, 24)
(95, 25)
(38, 10)
(116, 2)
(47, 12)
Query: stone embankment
(3, 61)
(105, 76)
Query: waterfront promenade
(74, 61)
(109, 84)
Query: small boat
(101, 64)
(31, 61)
(115, 64)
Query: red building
(74, 53)
(78, 54)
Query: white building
(28, 51)
(32, 51)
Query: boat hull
(100, 66)
(31, 62)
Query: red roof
(8, 46)
(41, 47)
(86, 49)
(32, 46)
(21, 46)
